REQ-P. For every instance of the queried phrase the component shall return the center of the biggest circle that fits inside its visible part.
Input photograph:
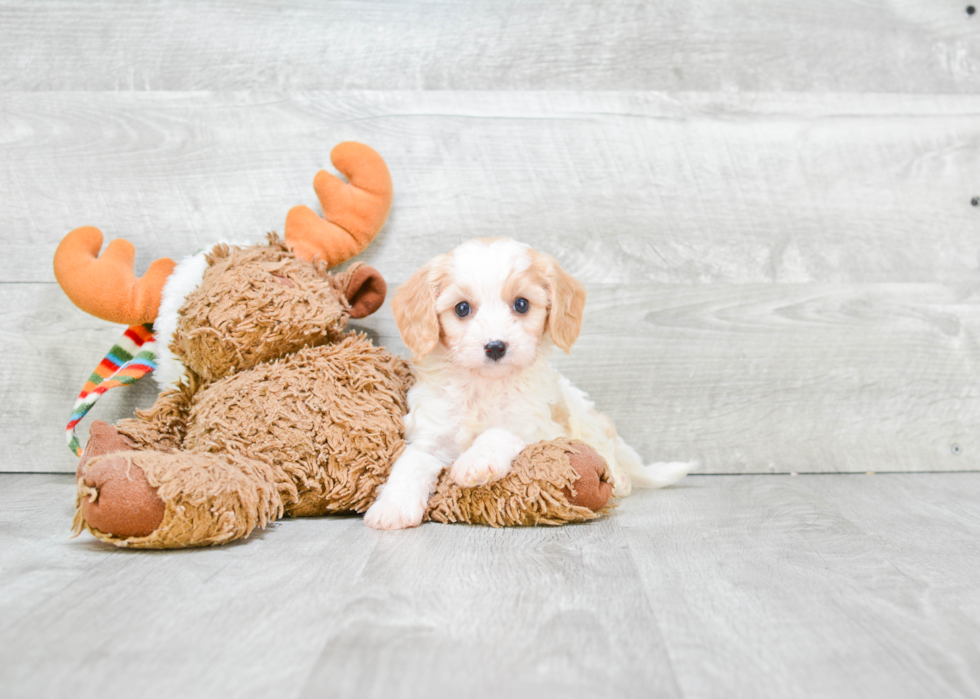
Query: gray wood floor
(724, 586)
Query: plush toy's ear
(366, 291)
(414, 308)
(567, 305)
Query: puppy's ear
(414, 308)
(567, 305)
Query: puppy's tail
(660, 474)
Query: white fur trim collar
(186, 277)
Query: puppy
(480, 322)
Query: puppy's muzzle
(495, 350)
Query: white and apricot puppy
(480, 322)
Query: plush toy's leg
(549, 483)
(150, 499)
(163, 426)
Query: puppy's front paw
(394, 511)
(480, 465)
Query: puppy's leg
(488, 459)
(404, 497)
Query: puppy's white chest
(483, 413)
(525, 413)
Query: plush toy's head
(259, 303)
(232, 307)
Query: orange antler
(354, 210)
(106, 286)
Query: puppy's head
(489, 303)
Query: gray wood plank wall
(769, 202)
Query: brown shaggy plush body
(313, 433)
(329, 418)
(283, 412)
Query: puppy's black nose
(495, 350)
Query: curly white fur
(186, 277)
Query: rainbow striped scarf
(129, 360)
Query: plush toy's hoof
(117, 500)
(102, 439)
(590, 490)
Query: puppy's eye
(462, 309)
(521, 305)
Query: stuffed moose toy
(272, 407)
